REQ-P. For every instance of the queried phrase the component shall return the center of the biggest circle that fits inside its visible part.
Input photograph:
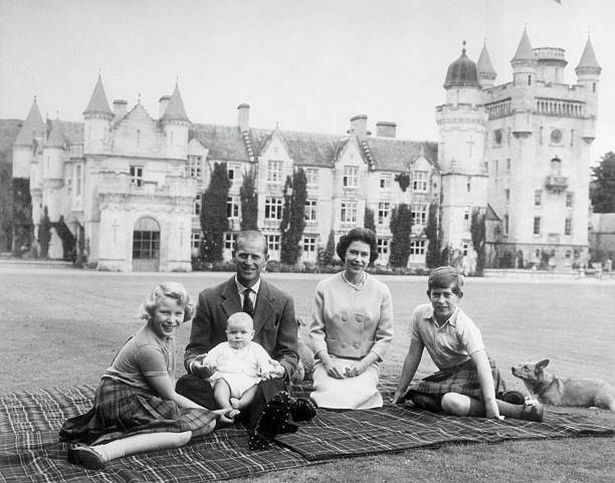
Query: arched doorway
(146, 245)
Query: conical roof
(56, 136)
(588, 57)
(462, 73)
(524, 50)
(98, 102)
(33, 124)
(484, 65)
(175, 110)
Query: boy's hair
(172, 290)
(239, 317)
(445, 277)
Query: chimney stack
(358, 124)
(163, 102)
(243, 117)
(386, 129)
(119, 108)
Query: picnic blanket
(30, 451)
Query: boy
(464, 384)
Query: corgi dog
(550, 389)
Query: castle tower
(175, 124)
(53, 170)
(588, 75)
(461, 124)
(486, 72)
(30, 135)
(98, 116)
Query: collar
(452, 320)
(241, 288)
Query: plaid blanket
(30, 450)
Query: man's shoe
(513, 397)
(272, 422)
(532, 412)
(302, 409)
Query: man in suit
(275, 326)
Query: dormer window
(556, 166)
(351, 177)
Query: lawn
(62, 327)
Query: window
(310, 210)
(383, 247)
(497, 137)
(273, 242)
(309, 244)
(572, 137)
(507, 194)
(469, 184)
(466, 214)
(136, 175)
(146, 239)
(229, 241)
(569, 199)
(348, 212)
(568, 226)
(385, 181)
(138, 137)
(540, 137)
(465, 246)
(232, 207)
(273, 208)
(234, 172)
(506, 224)
(384, 210)
(417, 247)
(195, 240)
(537, 225)
(274, 171)
(418, 213)
(508, 165)
(419, 181)
(351, 177)
(198, 203)
(556, 166)
(194, 167)
(497, 167)
(78, 181)
(538, 198)
(311, 175)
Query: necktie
(248, 306)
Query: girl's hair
(358, 234)
(445, 277)
(172, 290)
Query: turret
(461, 81)
(524, 63)
(175, 124)
(31, 133)
(98, 117)
(53, 169)
(486, 72)
(588, 75)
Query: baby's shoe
(532, 411)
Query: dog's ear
(542, 364)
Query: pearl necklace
(356, 286)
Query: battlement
(550, 54)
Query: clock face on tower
(556, 136)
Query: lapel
(230, 301)
(264, 307)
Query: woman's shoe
(532, 412)
(87, 457)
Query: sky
(305, 65)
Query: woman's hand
(355, 369)
(333, 370)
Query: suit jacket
(275, 326)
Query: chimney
(386, 129)
(119, 108)
(243, 117)
(163, 102)
(358, 124)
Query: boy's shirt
(450, 345)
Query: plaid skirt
(121, 410)
(462, 379)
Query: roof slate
(524, 51)
(98, 102)
(484, 64)
(33, 123)
(223, 142)
(588, 57)
(175, 110)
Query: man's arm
(411, 364)
(481, 361)
(286, 349)
(200, 334)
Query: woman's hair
(364, 235)
(172, 290)
(445, 277)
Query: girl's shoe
(87, 457)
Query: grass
(63, 327)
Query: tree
(401, 229)
(44, 233)
(368, 221)
(325, 257)
(249, 201)
(23, 230)
(478, 231)
(293, 217)
(68, 240)
(214, 220)
(602, 191)
(433, 257)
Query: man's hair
(364, 235)
(250, 235)
(445, 277)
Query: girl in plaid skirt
(136, 408)
(467, 380)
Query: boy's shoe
(273, 421)
(532, 412)
(87, 457)
(302, 409)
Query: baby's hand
(202, 368)
(277, 370)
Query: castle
(129, 185)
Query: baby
(237, 365)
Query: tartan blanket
(30, 451)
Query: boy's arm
(411, 364)
(486, 383)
